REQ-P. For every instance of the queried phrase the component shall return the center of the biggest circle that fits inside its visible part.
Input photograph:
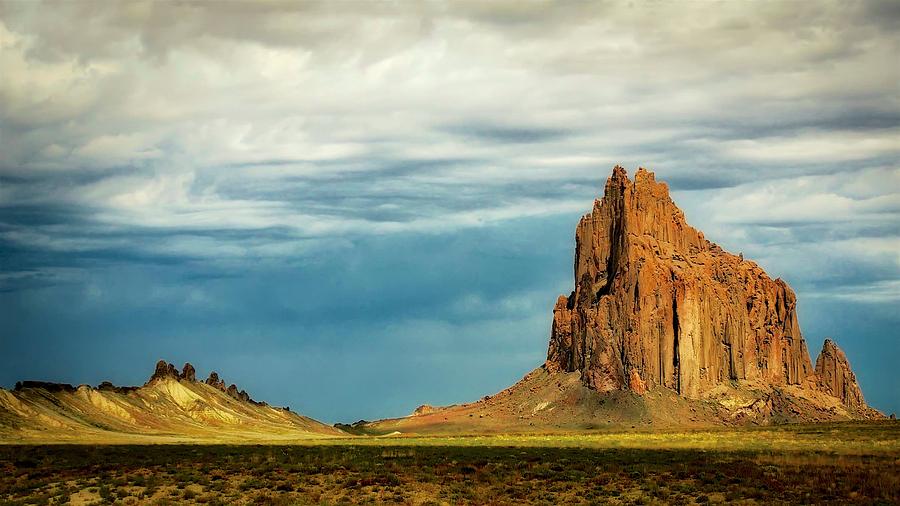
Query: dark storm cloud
(345, 191)
(883, 13)
(507, 134)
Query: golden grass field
(842, 463)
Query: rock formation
(240, 395)
(836, 378)
(167, 370)
(163, 370)
(188, 372)
(107, 386)
(214, 381)
(424, 409)
(43, 385)
(232, 390)
(656, 304)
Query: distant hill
(172, 406)
(663, 328)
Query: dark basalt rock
(45, 385)
(163, 370)
(240, 395)
(214, 381)
(188, 373)
(107, 386)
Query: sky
(353, 208)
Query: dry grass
(839, 464)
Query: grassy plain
(833, 463)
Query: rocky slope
(171, 406)
(664, 327)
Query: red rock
(836, 378)
(656, 304)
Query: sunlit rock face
(836, 378)
(655, 303)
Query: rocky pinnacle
(657, 304)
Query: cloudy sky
(355, 208)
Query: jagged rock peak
(655, 303)
(836, 378)
(232, 390)
(167, 370)
(214, 381)
(240, 395)
(188, 372)
(163, 370)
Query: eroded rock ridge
(188, 373)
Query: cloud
(507, 134)
(188, 149)
(816, 147)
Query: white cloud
(812, 147)
(325, 119)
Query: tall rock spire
(836, 378)
(655, 303)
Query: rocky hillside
(172, 406)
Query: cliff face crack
(612, 261)
(714, 318)
(675, 331)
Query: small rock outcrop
(43, 385)
(232, 390)
(163, 370)
(240, 395)
(108, 386)
(424, 409)
(188, 373)
(836, 378)
(214, 381)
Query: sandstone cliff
(835, 377)
(657, 304)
